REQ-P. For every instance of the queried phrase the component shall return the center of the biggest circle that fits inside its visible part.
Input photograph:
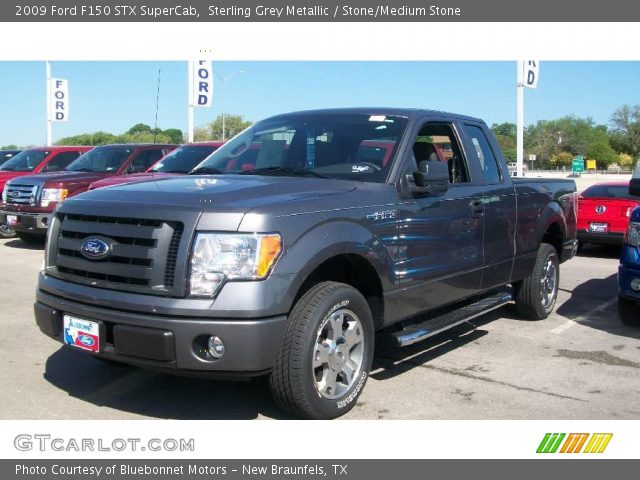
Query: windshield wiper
(282, 170)
(82, 170)
(170, 171)
(211, 170)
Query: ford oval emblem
(600, 209)
(14, 194)
(86, 340)
(94, 249)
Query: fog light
(215, 347)
(635, 284)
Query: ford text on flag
(59, 100)
(531, 73)
(202, 84)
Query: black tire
(294, 381)
(529, 293)
(6, 231)
(629, 312)
(31, 238)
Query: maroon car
(29, 201)
(179, 162)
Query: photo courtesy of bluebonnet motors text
(300, 239)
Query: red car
(39, 160)
(603, 212)
(179, 162)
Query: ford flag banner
(531, 73)
(59, 100)
(202, 84)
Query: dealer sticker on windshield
(81, 333)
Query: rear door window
(145, 159)
(488, 162)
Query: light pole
(224, 81)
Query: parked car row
(35, 181)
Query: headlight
(633, 234)
(4, 194)
(219, 256)
(53, 195)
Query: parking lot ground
(580, 363)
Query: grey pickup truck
(287, 251)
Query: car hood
(131, 178)
(229, 193)
(69, 179)
(7, 175)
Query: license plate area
(82, 333)
(597, 227)
(12, 220)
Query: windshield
(609, 191)
(183, 159)
(101, 159)
(25, 161)
(341, 146)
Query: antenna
(155, 127)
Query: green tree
(234, 124)
(139, 128)
(95, 138)
(625, 160)
(9, 147)
(142, 137)
(174, 135)
(626, 124)
(561, 159)
(506, 129)
(602, 153)
(202, 134)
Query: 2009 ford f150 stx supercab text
(299, 241)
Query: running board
(419, 331)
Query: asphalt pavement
(580, 363)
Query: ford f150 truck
(32, 161)
(29, 201)
(291, 249)
(179, 162)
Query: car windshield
(25, 161)
(101, 159)
(340, 146)
(183, 159)
(609, 191)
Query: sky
(113, 96)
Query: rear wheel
(326, 354)
(536, 295)
(629, 311)
(31, 238)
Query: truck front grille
(22, 194)
(142, 257)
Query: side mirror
(634, 187)
(432, 178)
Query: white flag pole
(520, 125)
(190, 89)
(49, 122)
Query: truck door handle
(477, 208)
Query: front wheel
(31, 238)
(628, 311)
(536, 295)
(6, 231)
(326, 354)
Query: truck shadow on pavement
(158, 395)
(17, 243)
(391, 361)
(590, 250)
(594, 303)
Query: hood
(131, 178)
(7, 175)
(69, 180)
(230, 193)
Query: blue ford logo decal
(94, 249)
(86, 340)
